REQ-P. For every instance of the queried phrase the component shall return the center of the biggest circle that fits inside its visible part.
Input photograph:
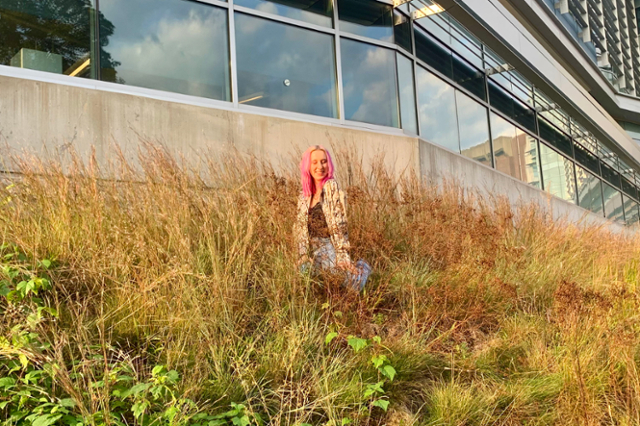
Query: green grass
(489, 314)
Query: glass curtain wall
(348, 60)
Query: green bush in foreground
(140, 295)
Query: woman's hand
(348, 266)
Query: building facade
(544, 91)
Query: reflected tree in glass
(437, 110)
(285, 67)
(473, 127)
(49, 35)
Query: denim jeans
(324, 259)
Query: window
(433, 53)
(473, 127)
(630, 210)
(515, 152)
(369, 80)
(589, 191)
(586, 158)
(285, 67)
(613, 208)
(366, 18)
(437, 110)
(557, 174)
(407, 96)
(610, 175)
(467, 76)
(318, 12)
(43, 36)
(159, 44)
(555, 137)
(402, 30)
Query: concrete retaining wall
(49, 119)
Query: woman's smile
(319, 165)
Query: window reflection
(48, 36)
(437, 110)
(515, 152)
(174, 45)
(468, 77)
(473, 128)
(407, 96)
(285, 67)
(366, 18)
(613, 207)
(589, 191)
(369, 81)
(318, 12)
(433, 53)
(402, 30)
(557, 174)
(630, 210)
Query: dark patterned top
(334, 208)
(317, 223)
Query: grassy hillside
(152, 298)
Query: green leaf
(388, 371)
(378, 360)
(46, 263)
(346, 421)
(377, 340)
(357, 344)
(217, 423)
(23, 360)
(330, 337)
(382, 403)
(139, 408)
(173, 376)
(7, 382)
(373, 389)
(46, 420)
(157, 370)
(67, 402)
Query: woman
(321, 224)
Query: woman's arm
(337, 221)
(301, 231)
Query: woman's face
(318, 167)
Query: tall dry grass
(492, 315)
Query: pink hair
(308, 185)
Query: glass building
(414, 66)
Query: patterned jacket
(334, 207)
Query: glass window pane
(433, 53)
(466, 45)
(369, 80)
(609, 174)
(468, 77)
(524, 115)
(402, 30)
(473, 127)
(555, 137)
(630, 210)
(436, 24)
(515, 152)
(500, 99)
(285, 67)
(159, 44)
(589, 191)
(437, 110)
(629, 188)
(407, 95)
(47, 36)
(557, 174)
(613, 208)
(586, 158)
(317, 12)
(366, 18)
